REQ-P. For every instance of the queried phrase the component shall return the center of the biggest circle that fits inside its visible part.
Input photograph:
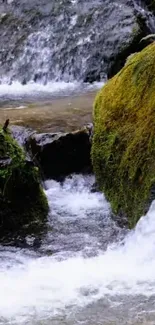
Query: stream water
(86, 269)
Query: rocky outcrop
(135, 44)
(23, 205)
(99, 36)
(123, 150)
(59, 154)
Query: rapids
(86, 269)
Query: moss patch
(23, 203)
(123, 151)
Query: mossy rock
(123, 150)
(23, 205)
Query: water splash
(67, 40)
(48, 286)
(34, 91)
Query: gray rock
(21, 134)
(59, 154)
(98, 37)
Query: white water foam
(38, 90)
(44, 287)
(74, 198)
(17, 89)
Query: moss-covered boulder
(123, 150)
(23, 205)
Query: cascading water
(46, 42)
(86, 270)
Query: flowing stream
(86, 269)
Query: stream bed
(52, 108)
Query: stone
(123, 149)
(100, 35)
(21, 134)
(59, 154)
(23, 205)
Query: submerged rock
(123, 150)
(59, 154)
(23, 205)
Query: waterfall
(65, 41)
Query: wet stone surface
(79, 54)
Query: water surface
(86, 271)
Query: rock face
(123, 150)
(59, 154)
(23, 205)
(100, 35)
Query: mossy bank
(123, 150)
(23, 205)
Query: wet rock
(21, 134)
(37, 243)
(23, 205)
(134, 45)
(100, 35)
(59, 154)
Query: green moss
(123, 151)
(22, 200)
(9, 150)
